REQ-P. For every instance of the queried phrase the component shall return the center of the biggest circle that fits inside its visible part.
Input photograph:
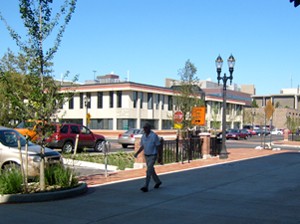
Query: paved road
(261, 190)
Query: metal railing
(181, 150)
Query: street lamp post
(224, 78)
(86, 102)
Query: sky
(147, 41)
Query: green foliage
(28, 90)
(61, 176)
(120, 159)
(254, 104)
(56, 177)
(292, 123)
(187, 95)
(39, 22)
(215, 110)
(11, 181)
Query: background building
(286, 105)
(118, 105)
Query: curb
(71, 162)
(44, 196)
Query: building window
(153, 123)
(100, 99)
(162, 102)
(167, 124)
(135, 98)
(111, 99)
(228, 108)
(119, 99)
(238, 109)
(170, 103)
(126, 124)
(150, 101)
(81, 100)
(71, 103)
(141, 99)
(88, 100)
(157, 101)
(105, 124)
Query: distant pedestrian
(149, 143)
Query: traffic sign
(198, 116)
(177, 126)
(178, 116)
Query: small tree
(215, 111)
(43, 98)
(187, 95)
(247, 117)
(254, 104)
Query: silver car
(128, 137)
(10, 154)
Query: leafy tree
(215, 123)
(247, 117)
(188, 92)
(292, 123)
(254, 104)
(43, 98)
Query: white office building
(119, 105)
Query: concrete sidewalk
(251, 186)
(234, 155)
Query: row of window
(216, 108)
(122, 124)
(152, 102)
(158, 99)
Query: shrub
(11, 181)
(61, 176)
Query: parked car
(64, 138)
(248, 132)
(262, 131)
(10, 154)
(236, 134)
(29, 128)
(128, 138)
(277, 131)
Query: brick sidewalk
(234, 155)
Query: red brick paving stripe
(123, 175)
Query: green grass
(120, 159)
(11, 181)
(60, 176)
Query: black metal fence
(294, 137)
(185, 149)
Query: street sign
(198, 116)
(178, 117)
(88, 118)
(177, 126)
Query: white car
(10, 154)
(128, 138)
(277, 131)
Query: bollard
(106, 150)
(206, 145)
